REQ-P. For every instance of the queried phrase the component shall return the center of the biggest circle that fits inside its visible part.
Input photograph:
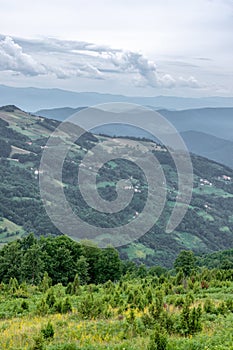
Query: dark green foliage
(66, 306)
(209, 307)
(38, 343)
(190, 322)
(13, 285)
(185, 262)
(32, 265)
(108, 265)
(179, 302)
(83, 270)
(221, 260)
(149, 296)
(18, 184)
(5, 149)
(68, 346)
(229, 304)
(24, 305)
(50, 298)
(48, 331)
(46, 282)
(75, 285)
(140, 309)
(42, 307)
(10, 262)
(58, 260)
(158, 340)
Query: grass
(74, 332)
(18, 150)
(138, 250)
(13, 231)
(11, 226)
(188, 240)
(114, 328)
(224, 229)
(211, 190)
(205, 215)
(105, 184)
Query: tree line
(28, 259)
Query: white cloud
(147, 71)
(190, 82)
(163, 30)
(14, 59)
(69, 59)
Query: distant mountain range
(32, 99)
(206, 131)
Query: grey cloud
(83, 59)
(203, 59)
(13, 58)
(58, 45)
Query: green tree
(48, 331)
(185, 262)
(108, 265)
(32, 267)
(46, 282)
(10, 262)
(62, 254)
(5, 149)
(158, 340)
(83, 270)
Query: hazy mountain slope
(215, 121)
(58, 113)
(207, 226)
(207, 132)
(33, 99)
(209, 146)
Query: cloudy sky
(130, 47)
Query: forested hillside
(207, 226)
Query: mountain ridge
(216, 143)
(33, 98)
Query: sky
(130, 47)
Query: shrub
(38, 343)
(209, 307)
(158, 340)
(50, 299)
(66, 306)
(48, 331)
(24, 305)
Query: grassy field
(119, 315)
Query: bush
(48, 331)
(68, 346)
(66, 306)
(38, 343)
(24, 305)
(158, 340)
(209, 307)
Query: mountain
(209, 146)
(214, 121)
(206, 227)
(58, 113)
(33, 99)
(215, 143)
